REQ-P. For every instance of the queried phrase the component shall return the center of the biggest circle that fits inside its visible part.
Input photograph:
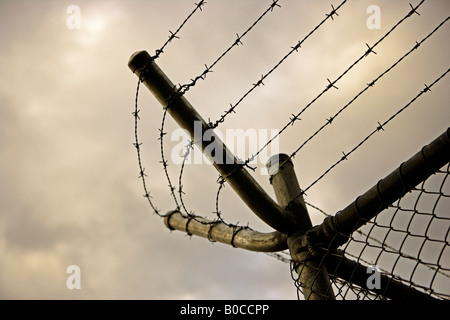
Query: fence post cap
(138, 60)
(274, 162)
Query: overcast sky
(70, 193)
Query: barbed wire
(222, 180)
(379, 128)
(263, 77)
(368, 86)
(332, 84)
(186, 87)
(189, 147)
(163, 161)
(137, 144)
(173, 35)
(182, 89)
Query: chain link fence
(405, 245)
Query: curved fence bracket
(238, 237)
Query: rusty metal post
(238, 237)
(310, 267)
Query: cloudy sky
(70, 193)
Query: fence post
(310, 267)
(143, 65)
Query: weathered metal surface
(312, 272)
(186, 116)
(238, 237)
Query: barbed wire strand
(221, 180)
(263, 77)
(379, 128)
(208, 69)
(163, 161)
(137, 144)
(174, 35)
(181, 192)
(181, 90)
(332, 84)
(368, 86)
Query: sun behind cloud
(95, 22)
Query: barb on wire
(189, 147)
(221, 182)
(164, 162)
(332, 13)
(174, 35)
(331, 84)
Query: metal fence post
(310, 267)
(142, 64)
